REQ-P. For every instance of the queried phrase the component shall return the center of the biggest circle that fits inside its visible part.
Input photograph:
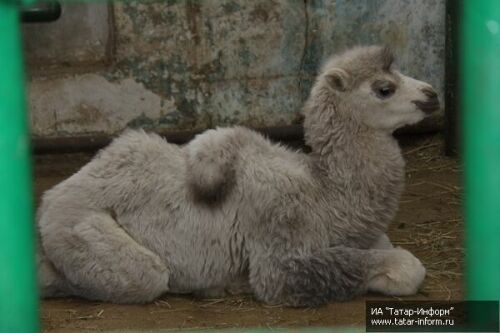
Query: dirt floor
(429, 224)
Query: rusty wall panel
(188, 64)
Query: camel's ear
(338, 79)
(386, 57)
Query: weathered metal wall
(187, 64)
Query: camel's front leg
(337, 273)
(333, 274)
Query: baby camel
(232, 210)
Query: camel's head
(378, 96)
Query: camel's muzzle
(431, 104)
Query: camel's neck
(356, 165)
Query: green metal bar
(18, 292)
(480, 64)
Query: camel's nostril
(429, 92)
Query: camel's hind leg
(101, 261)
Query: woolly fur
(233, 211)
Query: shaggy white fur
(233, 211)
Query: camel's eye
(383, 89)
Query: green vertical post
(480, 87)
(18, 292)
